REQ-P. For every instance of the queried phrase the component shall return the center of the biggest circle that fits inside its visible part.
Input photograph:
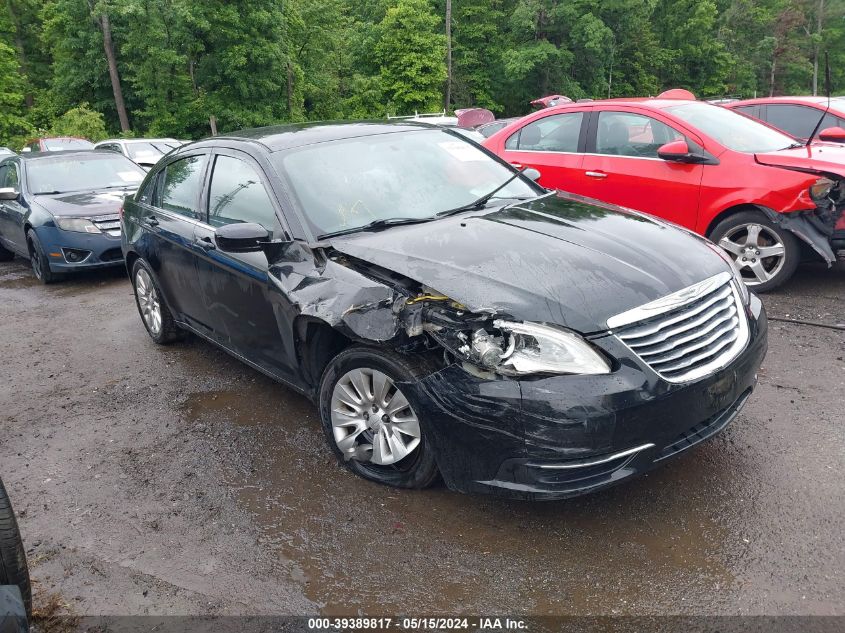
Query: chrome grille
(108, 224)
(688, 334)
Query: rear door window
(556, 133)
(181, 184)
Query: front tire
(13, 568)
(38, 260)
(159, 323)
(372, 425)
(765, 254)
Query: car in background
(449, 317)
(766, 199)
(797, 116)
(5, 151)
(60, 209)
(56, 144)
(489, 129)
(144, 151)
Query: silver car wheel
(148, 301)
(372, 420)
(757, 250)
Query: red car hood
(819, 158)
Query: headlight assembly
(820, 190)
(532, 348)
(77, 225)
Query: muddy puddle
(358, 547)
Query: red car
(797, 116)
(766, 199)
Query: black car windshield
(58, 144)
(349, 183)
(733, 130)
(60, 174)
(149, 152)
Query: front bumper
(564, 436)
(68, 251)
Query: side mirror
(832, 135)
(532, 174)
(9, 193)
(679, 152)
(241, 237)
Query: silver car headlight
(533, 348)
(77, 225)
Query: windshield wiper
(375, 224)
(794, 146)
(481, 202)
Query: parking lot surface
(179, 481)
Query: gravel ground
(175, 480)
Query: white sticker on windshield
(130, 176)
(462, 151)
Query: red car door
(621, 166)
(552, 145)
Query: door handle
(517, 165)
(596, 174)
(151, 220)
(206, 244)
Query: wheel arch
(316, 344)
(737, 208)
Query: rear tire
(13, 568)
(417, 469)
(765, 254)
(39, 261)
(157, 320)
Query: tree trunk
(448, 98)
(772, 77)
(108, 45)
(212, 123)
(290, 92)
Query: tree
(13, 125)
(81, 121)
(100, 16)
(410, 54)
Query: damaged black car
(450, 318)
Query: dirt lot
(178, 481)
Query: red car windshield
(734, 131)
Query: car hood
(83, 203)
(827, 158)
(558, 259)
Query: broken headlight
(820, 190)
(532, 348)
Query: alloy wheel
(35, 260)
(757, 250)
(148, 301)
(372, 420)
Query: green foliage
(256, 62)
(410, 53)
(80, 121)
(14, 128)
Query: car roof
(809, 100)
(282, 137)
(137, 140)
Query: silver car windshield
(350, 183)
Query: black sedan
(448, 316)
(60, 209)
